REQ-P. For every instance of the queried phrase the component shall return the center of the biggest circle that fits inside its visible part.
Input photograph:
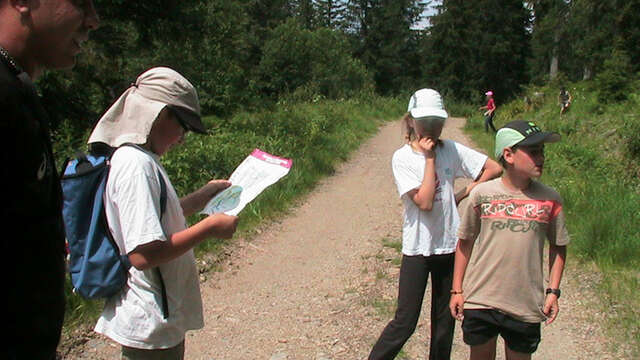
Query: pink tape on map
(272, 159)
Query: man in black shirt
(34, 36)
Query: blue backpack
(96, 266)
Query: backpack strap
(163, 194)
(163, 206)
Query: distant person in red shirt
(490, 111)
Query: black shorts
(480, 326)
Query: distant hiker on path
(34, 36)
(425, 170)
(498, 283)
(490, 112)
(154, 113)
(564, 100)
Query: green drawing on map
(226, 200)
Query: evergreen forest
(249, 55)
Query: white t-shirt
(433, 232)
(134, 317)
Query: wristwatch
(555, 292)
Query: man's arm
(490, 170)
(557, 258)
(463, 253)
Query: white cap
(425, 103)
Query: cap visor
(427, 112)
(539, 138)
(190, 119)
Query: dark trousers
(414, 273)
(488, 122)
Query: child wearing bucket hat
(424, 171)
(498, 288)
(153, 116)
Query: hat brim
(539, 138)
(191, 120)
(428, 112)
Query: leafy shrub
(559, 80)
(632, 137)
(309, 63)
(613, 82)
(460, 109)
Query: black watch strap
(555, 292)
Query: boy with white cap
(154, 114)
(500, 251)
(424, 170)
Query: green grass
(596, 169)
(393, 244)
(317, 136)
(384, 308)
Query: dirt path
(321, 284)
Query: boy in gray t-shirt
(500, 250)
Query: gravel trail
(321, 283)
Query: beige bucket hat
(131, 117)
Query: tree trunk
(553, 67)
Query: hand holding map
(256, 172)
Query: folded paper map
(256, 172)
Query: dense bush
(613, 82)
(310, 63)
(631, 129)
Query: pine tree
(600, 27)
(551, 48)
(331, 13)
(383, 39)
(305, 11)
(474, 46)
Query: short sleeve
(471, 162)
(469, 227)
(405, 175)
(557, 231)
(136, 195)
